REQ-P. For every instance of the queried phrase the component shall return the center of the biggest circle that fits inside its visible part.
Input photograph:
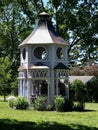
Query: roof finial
(44, 15)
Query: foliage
(63, 104)
(78, 71)
(5, 75)
(68, 105)
(19, 103)
(17, 19)
(79, 90)
(41, 103)
(59, 103)
(91, 70)
(12, 103)
(50, 107)
(82, 35)
(85, 70)
(14, 86)
(79, 106)
(92, 90)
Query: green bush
(79, 106)
(12, 103)
(41, 103)
(79, 89)
(59, 103)
(50, 107)
(68, 105)
(19, 103)
(22, 103)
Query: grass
(36, 120)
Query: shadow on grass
(7, 124)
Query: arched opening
(62, 88)
(44, 88)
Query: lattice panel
(62, 73)
(40, 73)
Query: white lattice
(61, 73)
(40, 73)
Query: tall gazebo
(43, 62)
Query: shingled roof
(44, 33)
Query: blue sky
(45, 1)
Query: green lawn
(35, 120)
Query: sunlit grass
(87, 120)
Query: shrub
(22, 103)
(12, 103)
(41, 103)
(19, 103)
(79, 106)
(68, 105)
(50, 107)
(59, 103)
(11, 100)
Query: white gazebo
(43, 62)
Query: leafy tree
(91, 70)
(14, 28)
(92, 90)
(78, 71)
(85, 70)
(77, 22)
(79, 90)
(5, 75)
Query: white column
(32, 89)
(28, 89)
(20, 87)
(52, 85)
(57, 92)
(48, 82)
(67, 89)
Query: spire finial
(44, 15)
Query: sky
(45, 1)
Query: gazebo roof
(44, 33)
(61, 66)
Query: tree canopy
(76, 21)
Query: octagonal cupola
(43, 57)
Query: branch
(24, 5)
(74, 43)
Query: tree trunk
(4, 98)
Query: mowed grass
(36, 120)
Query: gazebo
(43, 62)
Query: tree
(91, 70)
(92, 90)
(14, 27)
(5, 75)
(85, 70)
(79, 90)
(77, 22)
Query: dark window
(40, 53)
(60, 54)
(24, 53)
